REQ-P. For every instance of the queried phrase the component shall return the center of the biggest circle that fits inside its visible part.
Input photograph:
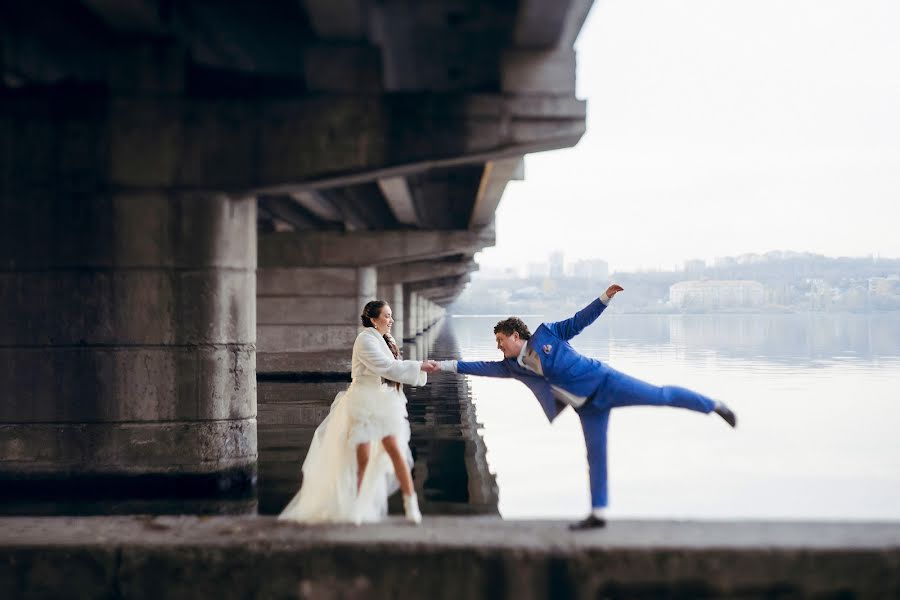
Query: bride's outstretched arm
(374, 357)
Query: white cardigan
(372, 358)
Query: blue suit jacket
(562, 365)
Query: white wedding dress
(368, 411)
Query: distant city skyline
(581, 266)
(719, 129)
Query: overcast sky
(720, 127)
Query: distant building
(750, 259)
(712, 295)
(556, 264)
(725, 262)
(694, 267)
(593, 269)
(820, 294)
(884, 292)
(887, 287)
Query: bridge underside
(192, 193)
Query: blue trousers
(623, 390)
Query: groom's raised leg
(625, 390)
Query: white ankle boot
(411, 508)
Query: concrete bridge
(194, 193)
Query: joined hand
(430, 366)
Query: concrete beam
(445, 296)
(315, 203)
(575, 18)
(541, 72)
(247, 39)
(540, 23)
(399, 198)
(497, 173)
(287, 210)
(134, 16)
(349, 68)
(362, 207)
(363, 248)
(422, 287)
(275, 145)
(442, 292)
(424, 270)
(546, 24)
(338, 19)
(426, 132)
(444, 302)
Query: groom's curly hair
(513, 324)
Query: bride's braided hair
(372, 310)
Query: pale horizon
(720, 129)
(569, 261)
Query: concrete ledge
(447, 557)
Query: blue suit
(604, 387)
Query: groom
(559, 377)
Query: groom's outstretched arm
(483, 368)
(569, 328)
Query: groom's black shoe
(725, 412)
(591, 522)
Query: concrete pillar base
(224, 491)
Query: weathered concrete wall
(446, 558)
(305, 309)
(128, 338)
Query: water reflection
(816, 395)
(450, 456)
(790, 339)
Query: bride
(360, 452)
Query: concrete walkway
(446, 557)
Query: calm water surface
(817, 397)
